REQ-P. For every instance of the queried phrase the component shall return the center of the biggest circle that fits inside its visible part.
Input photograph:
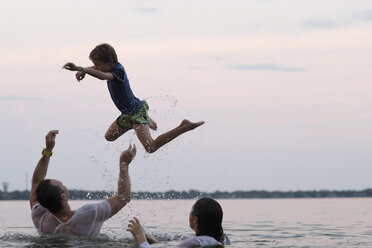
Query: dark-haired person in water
(51, 212)
(205, 219)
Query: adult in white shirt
(205, 219)
(51, 212)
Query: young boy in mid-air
(133, 111)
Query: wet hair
(209, 214)
(49, 196)
(104, 53)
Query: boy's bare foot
(191, 125)
(152, 123)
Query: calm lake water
(340, 222)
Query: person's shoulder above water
(203, 241)
(37, 212)
(100, 210)
(226, 240)
(197, 241)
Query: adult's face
(193, 220)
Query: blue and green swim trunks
(127, 121)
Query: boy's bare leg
(152, 123)
(114, 132)
(151, 145)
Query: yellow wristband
(46, 153)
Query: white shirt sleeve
(88, 220)
(36, 213)
(145, 245)
(103, 211)
(191, 242)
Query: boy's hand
(50, 140)
(80, 75)
(71, 67)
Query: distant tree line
(192, 194)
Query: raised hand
(50, 139)
(137, 230)
(128, 155)
(71, 67)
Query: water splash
(172, 101)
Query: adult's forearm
(42, 166)
(124, 186)
(150, 239)
(123, 195)
(40, 170)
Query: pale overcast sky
(284, 87)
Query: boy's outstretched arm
(89, 70)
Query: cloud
(324, 24)
(266, 67)
(146, 10)
(18, 98)
(365, 15)
(327, 24)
